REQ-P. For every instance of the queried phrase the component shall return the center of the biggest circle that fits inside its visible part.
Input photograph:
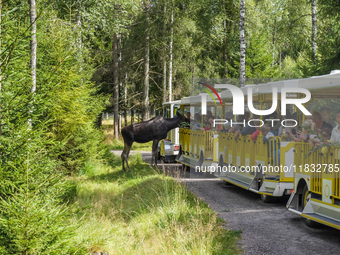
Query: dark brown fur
(154, 130)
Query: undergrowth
(144, 212)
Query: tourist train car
(316, 195)
(279, 166)
(168, 148)
(263, 167)
(196, 140)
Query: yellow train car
(316, 195)
(196, 142)
(168, 148)
(262, 167)
(308, 172)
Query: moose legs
(125, 155)
(154, 153)
(126, 151)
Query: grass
(144, 212)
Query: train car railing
(249, 148)
(273, 150)
(337, 175)
(184, 139)
(269, 156)
(195, 144)
(319, 163)
(244, 152)
(208, 144)
(260, 149)
(336, 180)
(195, 141)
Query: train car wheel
(267, 199)
(306, 196)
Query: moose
(154, 130)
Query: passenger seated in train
(247, 130)
(308, 130)
(257, 132)
(310, 135)
(319, 123)
(267, 133)
(196, 124)
(322, 137)
(218, 127)
(207, 117)
(326, 134)
(324, 112)
(226, 126)
(288, 133)
(188, 117)
(335, 136)
(209, 124)
(236, 129)
(187, 122)
(277, 126)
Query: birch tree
(314, 29)
(115, 87)
(164, 54)
(33, 55)
(146, 103)
(171, 53)
(33, 17)
(242, 45)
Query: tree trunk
(171, 55)
(225, 54)
(164, 57)
(164, 81)
(280, 60)
(123, 84)
(120, 71)
(120, 122)
(314, 30)
(125, 99)
(79, 41)
(115, 88)
(132, 116)
(274, 43)
(33, 53)
(33, 17)
(242, 45)
(193, 75)
(146, 107)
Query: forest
(63, 63)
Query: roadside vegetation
(144, 212)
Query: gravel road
(266, 228)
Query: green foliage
(126, 207)
(33, 219)
(32, 222)
(43, 136)
(290, 68)
(71, 99)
